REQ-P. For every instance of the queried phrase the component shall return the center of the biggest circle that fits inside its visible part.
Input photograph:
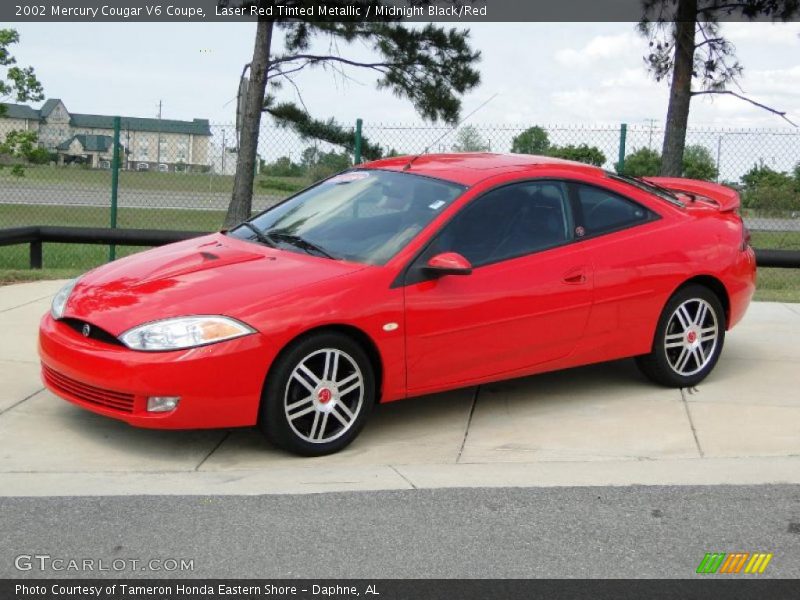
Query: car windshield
(363, 216)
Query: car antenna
(446, 133)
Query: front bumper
(219, 384)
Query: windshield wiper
(300, 242)
(259, 234)
(660, 188)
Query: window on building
(182, 153)
(143, 150)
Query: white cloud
(600, 48)
(784, 34)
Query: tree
(643, 162)
(469, 139)
(686, 46)
(533, 140)
(699, 164)
(584, 153)
(430, 66)
(19, 83)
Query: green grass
(776, 240)
(69, 177)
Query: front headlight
(183, 332)
(60, 299)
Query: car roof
(468, 168)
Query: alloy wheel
(691, 337)
(324, 395)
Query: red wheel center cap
(324, 395)
(691, 337)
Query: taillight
(745, 237)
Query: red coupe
(403, 277)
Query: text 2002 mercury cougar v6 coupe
(403, 277)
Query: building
(148, 144)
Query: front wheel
(318, 395)
(688, 340)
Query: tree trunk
(242, 199)
(680, 94)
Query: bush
(699, 164)
(584, 153)
(282, 167)
(533, 140)
(643, 162)
(280, 185)
(770, 199)
(325, 164)
(38, 156)
(761, 175)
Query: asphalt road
(53, 194)
(471, 533)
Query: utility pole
(158, 152)
(650, 138)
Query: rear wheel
(689, 338)
(318, 395)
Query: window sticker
(437, 205)
(348, 177)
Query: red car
(403, 277)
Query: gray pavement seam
(795, 308)
(469, 422)
(685, 403)
(25, 399)
(403, 477)
(26, 303)
(214, 449)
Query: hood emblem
(87, 329)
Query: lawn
(77, 177)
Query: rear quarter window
(604, 211)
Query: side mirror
(448, 263)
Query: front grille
(88, 393)
(95, 333)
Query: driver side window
(508, 222)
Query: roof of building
(20, 111)
(471, 167)
(90, 143)
(195, 127)
(48, 106)
(89, 121)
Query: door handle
(575, 276)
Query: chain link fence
(180, 181)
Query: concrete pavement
(597, 425)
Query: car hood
(213, 274)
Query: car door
(526, 301)
(630, 252)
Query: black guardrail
(38, 235)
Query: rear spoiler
(726, 199)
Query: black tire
(663, 364)
(311, 409)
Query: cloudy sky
(545, 73)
